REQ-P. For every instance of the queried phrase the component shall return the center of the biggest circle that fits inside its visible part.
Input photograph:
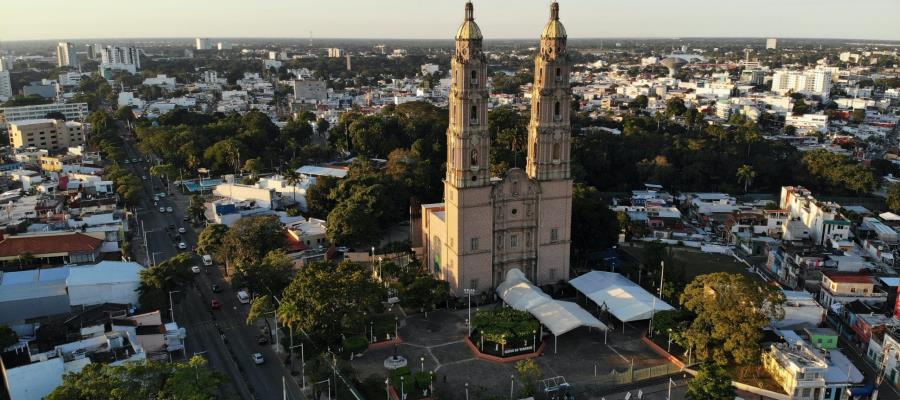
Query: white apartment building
(72, 111)
(430, 69)
(65, 55)
(5, 84)
(114, 58)
(809, 82)
(335, 52)
(807, 124)
(224, 46)
(161, 80)
(771, 44)
(48, 134)
(203, 43)
(822, 219)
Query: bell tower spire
(549, 131)
(468, 140)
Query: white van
(207, 260)
(243, 297)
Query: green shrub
(355, 344)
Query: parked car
(215, 304)
(262, 339)
(171, 226)
(182, 246)
(186, 218)
(243, 297)
(162, 209)
(258, 358)
(195, 269)
(216, 288)
(181, 230)
(169, 209)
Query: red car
(215, 304)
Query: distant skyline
(438, 19)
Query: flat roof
(32, 121)
(849, 278)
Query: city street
(222, 336)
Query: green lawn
(693, 262)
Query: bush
(501, 323)
(355, 344)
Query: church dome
(469, 30)
(554, 28)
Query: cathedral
(488, 225)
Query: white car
(182, 230)
(258, 358)
(182, 246)
(144, 178)
(169, 209)
(195, 269)
(162, 209)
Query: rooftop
(68, 242)
(849, 277)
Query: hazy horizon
(438, 19)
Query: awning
(558, 316)
(623, 298)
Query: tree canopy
(710, 383)
(732, 309)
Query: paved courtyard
(437, 343)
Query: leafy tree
(710, 383)
(746, 174)
(210, 239)
(675, 106)
(270, 275)
(732, 310)
(594, 225)
(145, 379)
(125, 113)
(893, 198)
(196, 208)
(529, 374)
(8, 337)
(251, 238)
(325, 299)
(858, 115)
(158, 280)
(638, 104)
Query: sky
(438, 19)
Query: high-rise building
(92, 51)
(203, 43)
(335, 52)
(489, 226)
(114, 58)
(771, 44)
(810, 82)
(72, 111)
(224, 46)
(66, 55)
(5, 85)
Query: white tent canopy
(519, 292)
(623, 298)
(558, 316)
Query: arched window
(555, 151)
(474, 79)
(558, 74)
(473, 158)
(556, 110)
(473, 115)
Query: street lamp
(402, 389)
(467, 390)
(469, 293)
(171, 305)
(396, 327)
(423, 363)
(512, 381)
(669, 348)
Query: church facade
(487, 225)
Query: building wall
(35, 380)
(72, 111)
(46, 134)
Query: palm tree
(746, 174)
(292, 178)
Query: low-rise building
(49, 134)
(844, 288)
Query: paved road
(222, 336)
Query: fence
(602, 383)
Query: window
(500, 241)
(473, 115)
(554, 235)
(552, 274)
(527, 239)
(473, 81)
(555, 151)
(513, 241)
(559, 74)
(556, 111)
(474, 244)
(473, 157)
(473, 284)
